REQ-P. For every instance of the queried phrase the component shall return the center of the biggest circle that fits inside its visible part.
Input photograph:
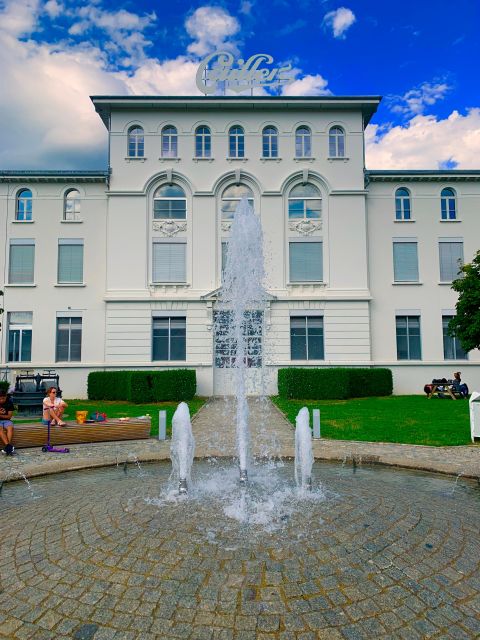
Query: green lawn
(405, 419)
(117, 409)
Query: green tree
(466, 324)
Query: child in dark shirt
(6, 424)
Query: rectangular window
(169, 262)
(22, 259)
(451, 258)
(224, 257)
(452, 348)
(306, 261)
(226, 345)
(19, 340)
(405, 262)
(69, 340)
(169, 338)
(70, 261)
(408, 338)
(306, 338)
(170, 209)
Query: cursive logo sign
(220, 67)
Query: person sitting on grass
(6, 424)
(53, 408)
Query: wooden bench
(34, 434)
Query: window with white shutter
(405, 262)
(451, 258)
(306, 261)
(70, 261)
(22, 259)
(169, 262)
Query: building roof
(422, 175)
(104, 105)
(52, 175)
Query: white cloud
(309, 85)
(172, 77)
(246, 7)
(426, 142)
(416, 100)
(19, 17)
(339, 21)
(211, 27)
(53, 8)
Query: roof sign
(220, 71)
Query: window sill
(447, 221)
(171, 361)
(304, 159)
(22, 285)
(23, 221)
(70, 284)
(446, 283)
(169, 284)
(197, 159)
(402, 284)
(229, 159)
(307, 362)
(262, 159)
(135, 159)
(172, 159)
(311, 283)
(71, 221)
(402, 221)
(338, 158)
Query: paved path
(272, 435)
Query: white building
(119, 269)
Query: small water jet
(182, 448)
(303, 450)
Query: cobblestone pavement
(272, 434)
(114, 554)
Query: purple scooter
(49, 448)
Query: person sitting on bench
(6, 424)
(53, 408)
(458, 386)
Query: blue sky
(423, 57)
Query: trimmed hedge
(142, 386)
(336, 383)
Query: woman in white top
(53, 408)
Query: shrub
(142, 386)
(4, 386)
(335, 383)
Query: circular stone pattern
(116, 554)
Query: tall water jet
(239, 324)
(183, 447)
(303, 450)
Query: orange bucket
(81, 416)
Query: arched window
(169, 142)
(169, 203)
(71, 207)
(231, 198)
(305, 203)
(203, 142)
(23, 209)
(403, 207)
(270, 142)
(336, 142)
(449, 204)
(236, 142)
(303, 142)
(136, 142)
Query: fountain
(303, 451)
(242, 300)
(183, 447)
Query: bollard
(162, 425)
(316, 424)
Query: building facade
(121, 268)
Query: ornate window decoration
(336, 142)
(303, 142)
(270, 142)
(203, 142)
(72, 206)
(305, 209)
(236, 142)
(231, 198)
(169, 142)
(23, 208)
(136, 142)
(448, 204)
(403, 209)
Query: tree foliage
(466, 324)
